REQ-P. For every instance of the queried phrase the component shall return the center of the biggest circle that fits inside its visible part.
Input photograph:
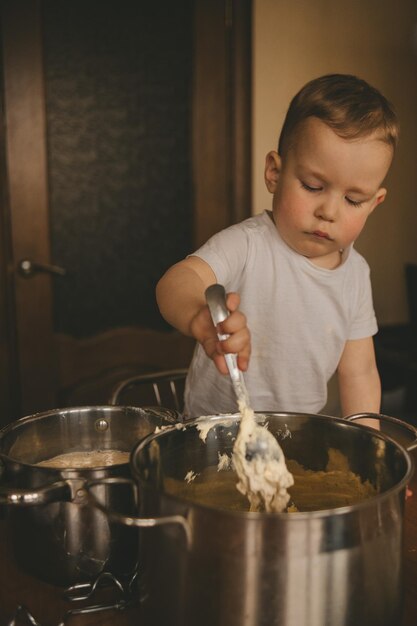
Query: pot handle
(411, 431)
(59, 491)
(85, 496)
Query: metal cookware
(210, 566)
(55, 538)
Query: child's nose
(327, 210)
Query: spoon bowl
(263, 445)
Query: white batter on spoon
(263, 480)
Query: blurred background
(133, 131)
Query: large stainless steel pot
(55, 538)
(211, 567)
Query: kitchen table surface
(48, 606)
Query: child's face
(324, 189)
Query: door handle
(28, 268)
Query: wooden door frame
(221, 116)
(221, 158)
(9, 395)
(24, 116)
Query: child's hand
(235, 325)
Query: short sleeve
(226, 253)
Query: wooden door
(80, 258)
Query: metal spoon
(263, 444)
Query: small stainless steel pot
(336, 567)
(54, 537)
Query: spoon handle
(216, 301)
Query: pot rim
(110, 408)
(62, 412)
(283, 516)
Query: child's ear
(272, 170)
(380, 197)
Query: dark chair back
(164, 388)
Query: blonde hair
(347, 104)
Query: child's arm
(359, 383)
(181, 301)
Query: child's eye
(309, 187)
(354, 202)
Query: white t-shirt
(299, 315)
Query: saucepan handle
(409, 431)
(85, 496)
(55, 492)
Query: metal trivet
(83, 592)
(22, 612)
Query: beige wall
(294, 41)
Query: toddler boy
(299, 293)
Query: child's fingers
(220, 363)
(202, 329)
(236, 326)
(237, 343)
(243, 362)
(232, 301)
(235, 322)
